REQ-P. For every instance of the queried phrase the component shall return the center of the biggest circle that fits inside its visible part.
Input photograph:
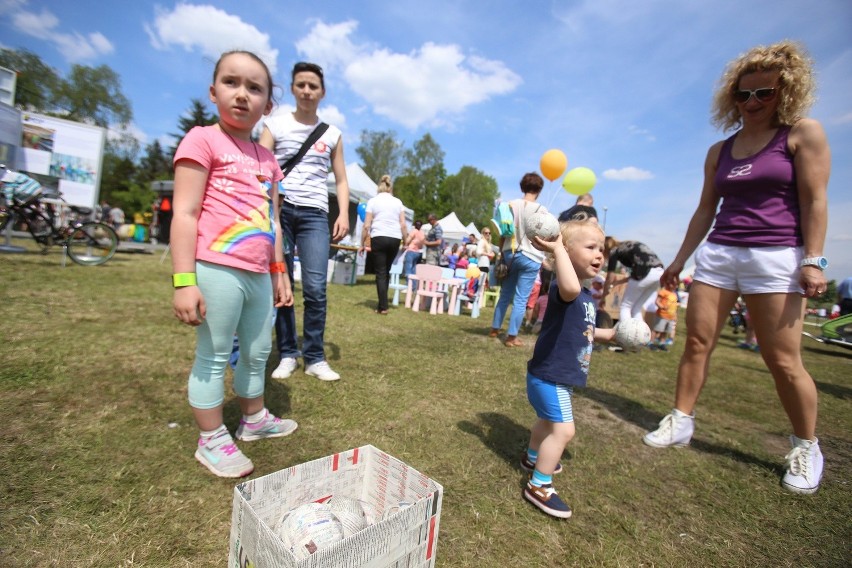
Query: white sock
(256, 417)
(206, 435)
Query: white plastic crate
(407, 538)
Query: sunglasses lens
(742, 96)
(764, 95)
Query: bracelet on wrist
(277, 268)
(183, 279)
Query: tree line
(93, 95)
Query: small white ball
(542, 225)
(632, 333)
(308, 528)
(350, 512)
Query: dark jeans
(306, 228)
(384, 251)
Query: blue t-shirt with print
(564, 348)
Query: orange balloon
(553, 163)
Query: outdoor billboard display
(63, 154)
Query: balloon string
(552, 196)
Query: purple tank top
(760, 200)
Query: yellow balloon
(579, 181)
(553, 163)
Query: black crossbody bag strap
(287, 166)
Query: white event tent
(454, 230)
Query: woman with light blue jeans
(524, 262)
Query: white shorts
(757, 270)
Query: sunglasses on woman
(763, 95)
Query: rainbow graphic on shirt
(256, 225)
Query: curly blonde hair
(796, 83)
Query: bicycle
(88, 243)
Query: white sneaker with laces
(322, 371)
(675, 429)
(804, 466)
(285, 368)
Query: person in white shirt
(385, 226)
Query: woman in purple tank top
(764, 195)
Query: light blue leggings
(237, 301)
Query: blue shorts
(551, 401)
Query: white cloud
(627, 174)
(845, 119)
(73, 46)
(431, 85)
(329, 44)
(635, 130)
(209, 30)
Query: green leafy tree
(381, 153)
(36, 82)
(423, 174)
(93, 94)
(471, 194)
(119, 165)
(154, 165)
(198, 115)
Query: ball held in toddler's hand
(632, 333)
(542, 225)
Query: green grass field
(93, 371)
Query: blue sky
(621, 87)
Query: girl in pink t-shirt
(228, 260)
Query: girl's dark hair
(304, 66)
(253, 56)
(532, 183)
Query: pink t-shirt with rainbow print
(234, 226)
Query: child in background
(541, 302)
(463, 261)
(666, 317)
(750, 342)
(228, 260)
(597, 289)
(561, 357)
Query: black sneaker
(528, 466)
(547, 499)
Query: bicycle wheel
(92, 243)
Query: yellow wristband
(184, 279)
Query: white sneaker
(321, 371)
(285, 368)
(804, 467)
(675, 430)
